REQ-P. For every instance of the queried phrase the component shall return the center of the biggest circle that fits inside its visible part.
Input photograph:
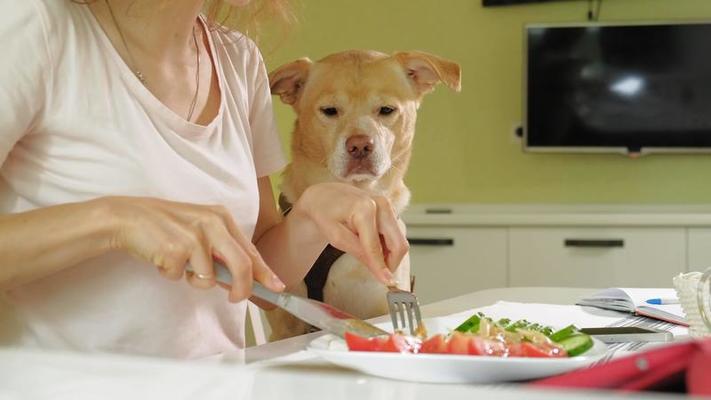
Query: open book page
(639, 297)
(612, 299)
(634, 300)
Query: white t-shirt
(76, 124)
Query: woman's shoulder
(34, 26)
(244, 64)
(48, 12)
(38, 20)
(239, 46)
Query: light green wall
(464, 147)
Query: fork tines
(404, 310)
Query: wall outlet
(516, 133)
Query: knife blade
(316, 313)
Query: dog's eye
(329, 111)
(385, 110)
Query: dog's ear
(426, 70)
(288, 80)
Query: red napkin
(662, 367)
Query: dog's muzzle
(360, 150)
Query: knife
(316, 313)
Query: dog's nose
(359, 146)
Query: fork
(405, 311)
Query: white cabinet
(596, 257)
(452, 261)
(699, 249)
(555, 245)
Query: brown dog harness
(315, 280)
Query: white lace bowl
(694, 292)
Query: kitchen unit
(457, 248)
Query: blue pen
(662, 301)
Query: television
(627, 88)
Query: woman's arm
(289, 247)
(38, 243)
(167, 234)
(351, 220)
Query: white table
(255, 373)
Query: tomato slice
(459, 343)
(437, 344)
(541, 350)
(359, 343)
(484, 347)
(395, 343)
(516, 350)
(464, 343)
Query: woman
(133, 135)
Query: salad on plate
(478, 350)
(480, 335)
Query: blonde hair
(249, 19)
(252, 18)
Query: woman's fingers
(243, 261)
(264, 275)
(240, 267)
(260, 270)
(229, 253)
(171, 263)
(174, 250)
(357, 223)
(392, 233)
(201, 275)
(178, 236)
(345, 240)
(365, 222)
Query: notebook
(634, 300)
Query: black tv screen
(626, 88)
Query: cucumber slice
(469, 324)
(536, 327)
(564, 333)
(520, 324)
(523, 324)
(577, 344)
(503, 322)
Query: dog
(356, 113)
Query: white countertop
(557, 215)
(273, 371)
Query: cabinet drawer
(452, 261)
(596, 257)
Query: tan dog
(356, 113)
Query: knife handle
(223, 275)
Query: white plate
(444, 368)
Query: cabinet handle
(431, 241)
(594, 243)
(438, 211)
